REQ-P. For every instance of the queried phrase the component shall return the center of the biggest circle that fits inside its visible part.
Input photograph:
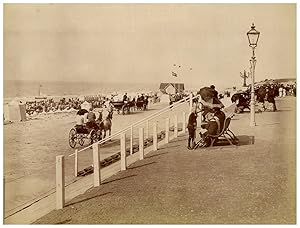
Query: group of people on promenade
(211, 113)
(213, 117)
(265, 95)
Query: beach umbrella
(206, 93)
(81, 112)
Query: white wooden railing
(60, 175)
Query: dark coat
(192, 123)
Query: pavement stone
(247, 184)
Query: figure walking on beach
(192, 126)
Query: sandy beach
(30, 148)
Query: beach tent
(15, 111)
(164, 98)
(86, 105)
(81, 98)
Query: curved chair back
(225, 127)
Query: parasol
(81, 112)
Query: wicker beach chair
(224, 133)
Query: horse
(106, 124)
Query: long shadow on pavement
(243, 140)
(156, 155)
(79, 201)
(121, 178)
(138, 166)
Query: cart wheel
(81, 141)
(123, 110)
(93, 137)
(72, 137)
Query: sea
(26, 89)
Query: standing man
(270, 95)
(192, 126)
(91, 120)
(125, 97)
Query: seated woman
(213, 116)
(80, 126)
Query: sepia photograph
(149, 113)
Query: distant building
(171, 88)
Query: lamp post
(253, 36)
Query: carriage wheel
(94, 137)
(81, 141)
(123, 110)
(72, 137)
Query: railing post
(183, 122)
(167, 129)
(131, 140)
(60, 182)
(191, 102)
(76, 163)
(96, 165)
(147, 129)
(175, 126)
(123, 152)
(141, 143)
(155, 136)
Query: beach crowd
(265, 94)
(50, 105)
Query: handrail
(174, 105)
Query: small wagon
(81, 134)
(121, 107)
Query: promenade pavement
(245, 184)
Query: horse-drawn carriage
(79, 134)
(127, 107)
(141, 105)
(92, 133)
(122, 107)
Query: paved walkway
(248, 184)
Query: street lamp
(253, 36)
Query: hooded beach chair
(224, 133)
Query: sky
(141, 42)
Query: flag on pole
(174, 74)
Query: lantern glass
(253, 36)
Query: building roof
(179, 87)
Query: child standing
(192, 126)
